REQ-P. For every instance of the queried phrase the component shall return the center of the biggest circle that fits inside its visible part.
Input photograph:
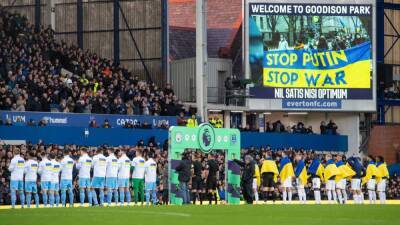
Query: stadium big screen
(311, 55)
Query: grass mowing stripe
(200, 215)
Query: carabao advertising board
(311, 55)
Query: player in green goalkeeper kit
(138, 168)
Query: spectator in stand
(93, 124)
(332, 127)
(309, 130)
(31, 123)
(128, 124)
(278, 126)
(268, 127)
(106, 124)
(8, 122)
(323, 127)
(145, 125)
(299, 128)
(42, 123)
(228, 89)
(181, 120)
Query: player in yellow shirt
(370, 179)
(381, 177)
(330, 173)
(269, 174)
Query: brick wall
(385, 141)
(220, 13)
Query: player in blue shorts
(124, 166)
(67, 166)
(111, 177)
(55, 182)
(99, 174)
(46, 175)
(16, 167)
(31, 169)
(84, 166)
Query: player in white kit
(99, 176)
(111, 177)
(67, 166)
(55, 182)
(84, 166)
(16, 167)
(150, 177)
(124, 166)
(31, 170)
(46, 175)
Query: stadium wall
(183, 78)
(121, 136)
(384, 140)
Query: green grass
(205, 215)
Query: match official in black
(247, 178)
(183, 170)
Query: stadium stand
(38, 73)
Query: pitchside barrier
(207, 139)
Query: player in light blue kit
(31, 170)
(16, 167)
(46, 175)
(84, 166)
(55, 182)
(150, 178)
(99, 176)
(124, 166)
(67, 166)
(111, 177)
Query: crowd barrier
(83, 119)
(122, 136)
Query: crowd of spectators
(299, 128)
(160, 151)
(39, 73)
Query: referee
(197, 180)
(212, 178)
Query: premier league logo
(206, 137)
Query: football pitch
(204, 215)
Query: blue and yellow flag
(370, 172)
(330, 170)
(301, 172)
(285, 169)
(316, 168)
(257, 174)
(382, 171)
(345, 171)
(269, 166)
